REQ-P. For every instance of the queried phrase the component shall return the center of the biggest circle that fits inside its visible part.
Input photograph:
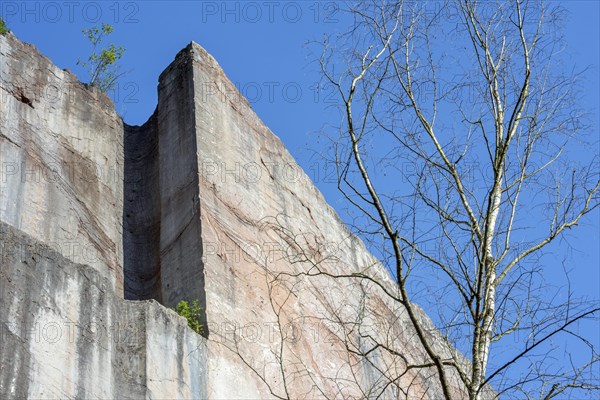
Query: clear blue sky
(260, 45)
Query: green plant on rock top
(192, 313)
(3, 28)
(100, 65)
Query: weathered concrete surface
(64, 333)
(61, 160)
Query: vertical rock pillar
(182, 275)
(162, 238)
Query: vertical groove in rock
(161, 218)
(141, 213)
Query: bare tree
(464, 157)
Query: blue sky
(262, 48)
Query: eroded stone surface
(141, 213)
(65, 330)
(206, 204)
(264, 225)
(64, 333)
(61, 151)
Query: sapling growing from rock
(192, 313)
(100, 65)
(3, 28)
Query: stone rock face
(65, 334)
(206, 204)
(141, 213)
(240, 227)
(162, 213)
(265, 228)
(65, 329)
(62, 160)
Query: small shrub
(192, 313)
(3, 28)
(101, 64)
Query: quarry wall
(62, 160)
(65, 334)
(204, 203)
(66, 330)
